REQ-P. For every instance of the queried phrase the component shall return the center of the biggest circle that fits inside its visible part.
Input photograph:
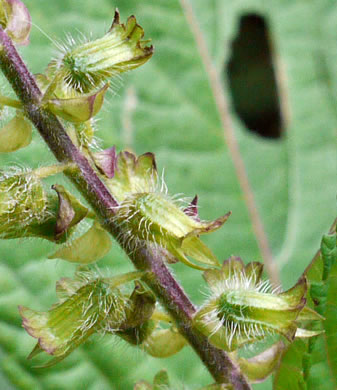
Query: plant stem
(144, 258)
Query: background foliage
(174, 115)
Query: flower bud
(87, 66)
(15, 19)
(243, 308)
(16, 134)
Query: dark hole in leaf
(252, 78)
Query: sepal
(70, 211)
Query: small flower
(147, 213)
(244, 309)
(15, 19)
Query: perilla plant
(127, 200)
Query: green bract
(16, 134)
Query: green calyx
(87, 304)
(23, 203)
(146, 212)
(156, 218)
(86, 66)
(244, 309)
(28, 210)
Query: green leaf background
(175, 116)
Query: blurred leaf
(311, 364)
(293, 179)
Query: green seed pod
(87, 66)
(15, 135)
(87, 307)
(15, 19)
(244, 309)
